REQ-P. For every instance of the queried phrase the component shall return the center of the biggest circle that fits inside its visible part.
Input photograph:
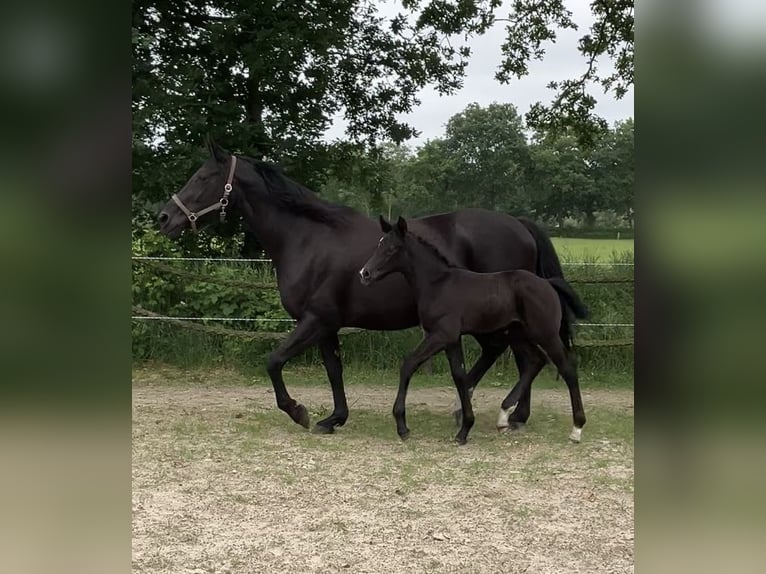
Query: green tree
(489, 158)
(430, 175)
(612, 171)
(559, 178)
(267, 77)
(533, 23)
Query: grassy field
(577, 249)
(224, 482)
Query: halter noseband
(221, 203)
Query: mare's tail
(549, 267)
(548, 264)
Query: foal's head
(204, 198)
(389, 256)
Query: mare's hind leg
(307, 333)
(330, 349)
(568, 369)
(531, 365)
(459, 376)
(492, 346)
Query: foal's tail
(571, 307)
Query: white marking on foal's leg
(575, 435)
(502, 418)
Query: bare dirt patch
(224, 483)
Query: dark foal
(524, 308)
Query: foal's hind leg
(568, 369)
(531, 365)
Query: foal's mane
(293, 197)
(436, 251)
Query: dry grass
(224, 482)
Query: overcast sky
(562, 61)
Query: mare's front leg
(459, 376)
(330, 348)
(427, 348)
(307, 333)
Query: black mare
(318, 248)
(525, 309)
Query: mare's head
(205, 197)
(389, 256)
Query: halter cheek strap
(221, 204)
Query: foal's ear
(384, 225)
(401, 225)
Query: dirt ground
(223, 482)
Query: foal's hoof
(301, 416)
(461, 441)
(575, 435)
(322, 429)
(404, 435)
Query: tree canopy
(268, 77)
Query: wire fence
(157, 263)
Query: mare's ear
(401, 225)
(384, 225)
(216, 152)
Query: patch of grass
(576, 247)
(190, 426)
(501, 376)
(437, 430)
(609, 481)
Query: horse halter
(221, 203)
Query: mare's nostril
(164, 217)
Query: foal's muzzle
(365, 276)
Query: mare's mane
(286, 194)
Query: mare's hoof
(575, 435)
(301, 416)
(461, 441)
(323, 429)
(404, 436)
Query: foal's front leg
(427, 348)
(457, 368)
